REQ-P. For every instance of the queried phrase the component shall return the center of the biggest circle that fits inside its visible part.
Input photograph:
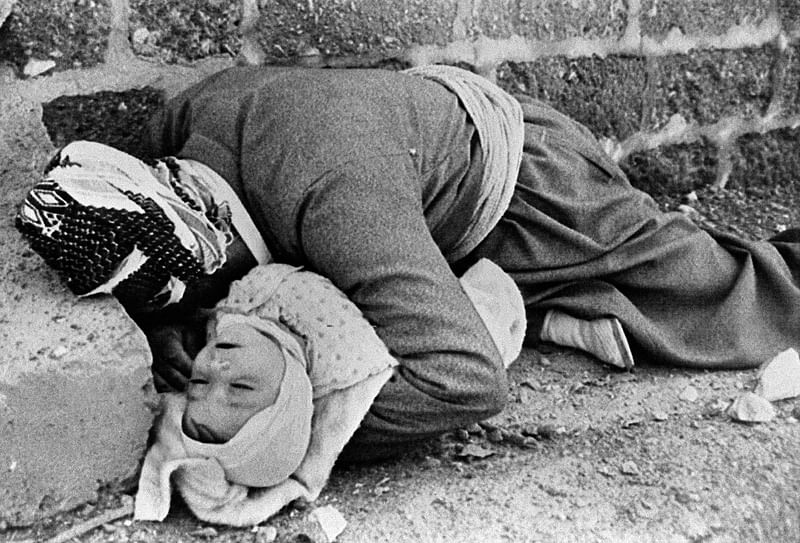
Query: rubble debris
(660, 416)
(472, 450)
(87, 526)
(689, 394)
(750, 407)
(265, 534)
(206, 533)
(330, 520)
(36, 67)
(779, 379)
(629, 468)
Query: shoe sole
(622, 343)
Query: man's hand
(174, 346)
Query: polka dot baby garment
(341, 346)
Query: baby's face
(237, 374)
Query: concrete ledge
(75, 385)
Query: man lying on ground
(391, 185)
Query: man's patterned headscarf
(108, 223)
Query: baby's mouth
(201, 433)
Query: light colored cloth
(201, 175)
(497, 117)
(272, 443)
(500, 306)
(347, 365)
(102, 217)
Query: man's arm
(367, 233)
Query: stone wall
(683, 93)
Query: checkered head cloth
(108, 223)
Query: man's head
(109, 223)
(248, 403)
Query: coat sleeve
(201, 123)
(364, 228)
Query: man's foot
(603, 338)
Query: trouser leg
(577, 237)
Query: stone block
(118, 119)
(71, 33)
(551, 20)
(789, 13)
(5, 9)
(604, 94)
(708, 85)
(75, 385)
(184, 31)
(291, 28)
(700, 17)
(765, 160)
(672, 169)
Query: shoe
(603, 338)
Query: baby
(248, 402)
(288, 372)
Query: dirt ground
(582, 453)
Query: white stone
(140, 36)
(750, 407)
(690, 197)
(779, 378)
(36, 67)
(689, 394)
(330, 520)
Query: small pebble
(475, 451)
(58, 352)
(660, 416)
(139, 36)
(431, 462)
(548, 431)
(750, 407)
(690, 197)
(36, 67)
(520, 440)
(531, 430)
(605, 470)
(689, 394)
(266, 534)
(629, 468)
(475, 429)
(207, 532)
